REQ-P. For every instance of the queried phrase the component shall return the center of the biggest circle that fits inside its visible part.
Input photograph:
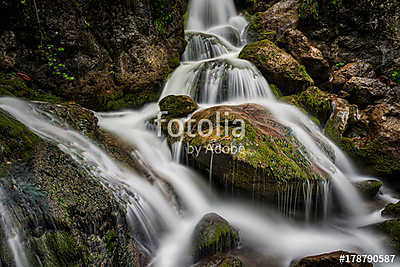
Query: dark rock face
(365, 91)
(355, 69)
(391, 228)
(351, 31)
(328, 260)
(102, 54)
(214, 235)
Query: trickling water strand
(211, 170)
(203, 46)
(308, 194)
(176, 149)
(12, 234)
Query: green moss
(12, 85)
(315, 102)
(392, 229)
(174, 62)
(177, 105)
(120, 100)
(111, 239)
(62, 249)
(392, 210)
(275, 90)
(16, 141)
(256, 26)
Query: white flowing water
(12, 233)
(212, 74)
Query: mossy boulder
(213, 235)
(317, 102)
(392, 210)
(262, 162)
(369, 188)
(277, 66)
(177, 106)
(332, 259)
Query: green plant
(340, 65)
(309, 10)
(396, 76)
(51, 52)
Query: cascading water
(212, 73)
(12, 233)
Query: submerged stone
(332, 259)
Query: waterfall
(212, 73)
(12, 233)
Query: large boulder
(277, 66)
(332, 259)
(104, 55)
(213, 235)
(311, 57)
(261, 162)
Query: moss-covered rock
(177, 106)
(213, 235)
(68, 217)
(317, 102)
(262, 162)
(277, 66)
(369, 188)
(355, 69)
(392, 210)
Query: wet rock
(277, 66)
(391, 228)
(177, 106)
(355, 69)
(370, 136)
(65, 212)
(214, 235)
(369, 188)
(328, 260)
(276, 19)
(265, 160)
(392, 210)
(365, 91)
(295, 42)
